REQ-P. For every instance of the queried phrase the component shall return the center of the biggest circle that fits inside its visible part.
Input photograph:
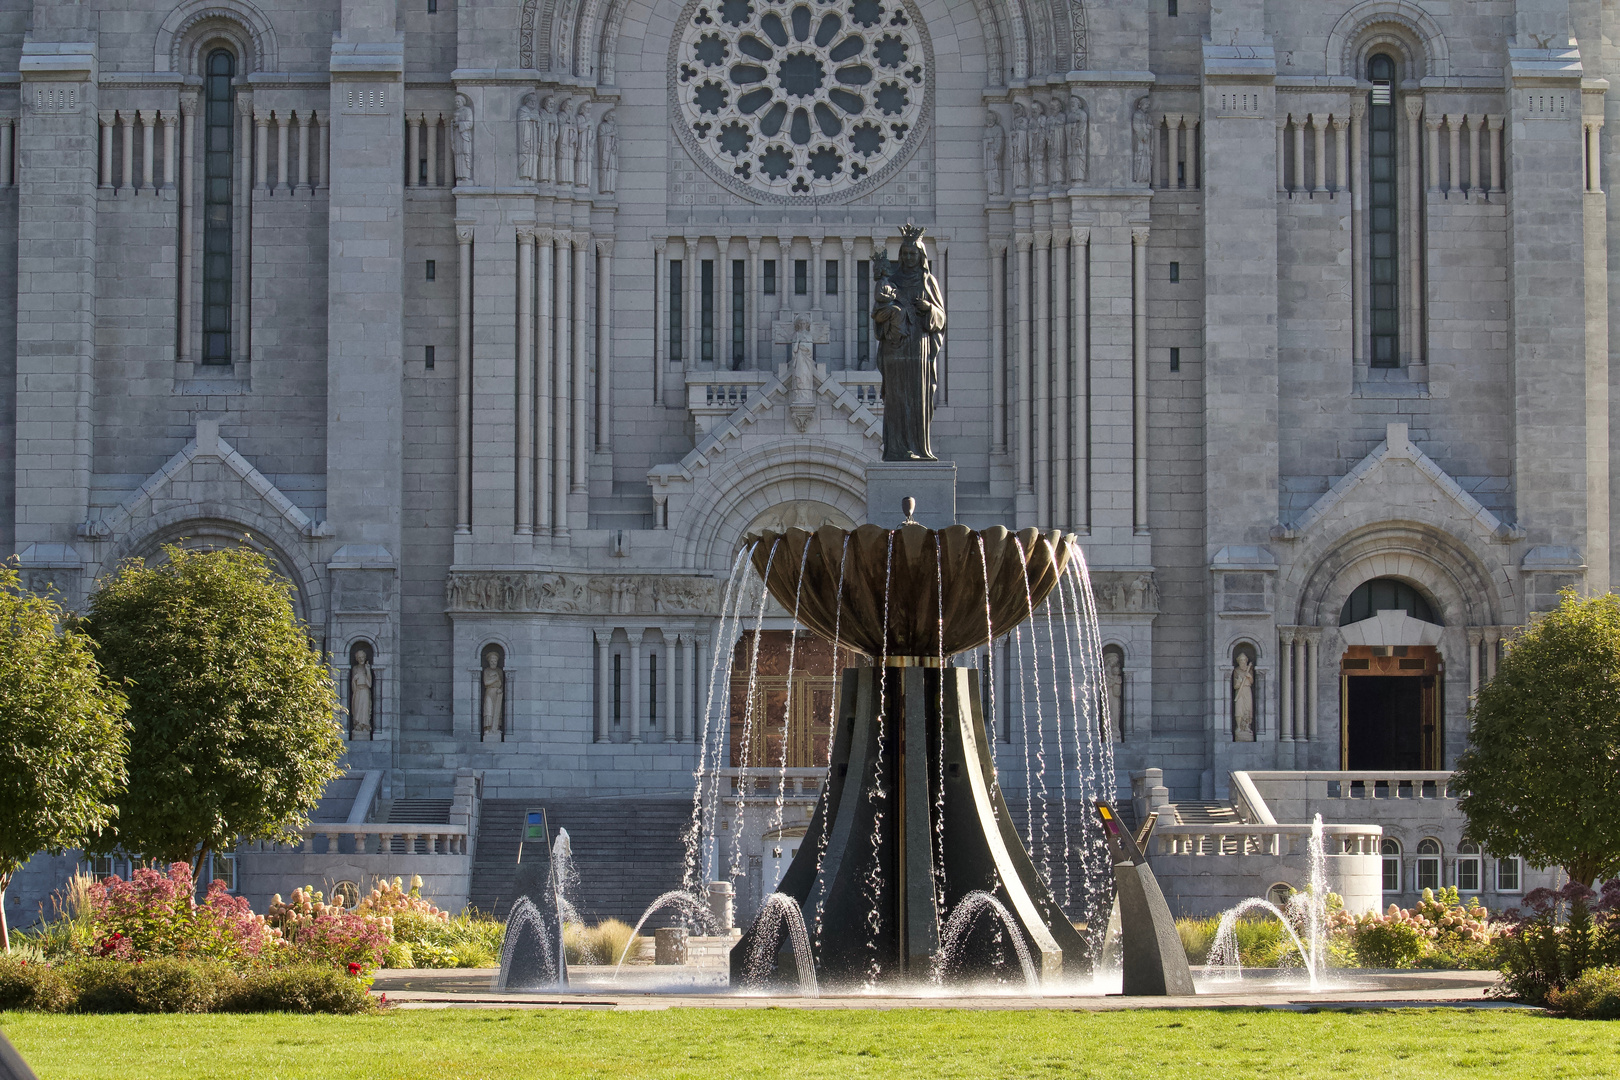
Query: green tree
(62, 735)
(232, 710)
(1541, 776)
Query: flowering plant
(154, 914)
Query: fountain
(1307, 908)
(532, 954)
(912, 819)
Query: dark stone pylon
(889, 853)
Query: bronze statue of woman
(909, 316)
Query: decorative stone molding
(542, 592)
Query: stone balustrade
(377, 838)
(763, 782)
(1257, 839)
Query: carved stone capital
(464, 234)
(525, 235)
(1024, 241)
(1139, 235)
(188, 103)
(604, 247)
(1414, 107)
(1358, 108)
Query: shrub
(467, 940)
(340, 940)
(398, 954)
(1592, 995)
(154, 915)
(1556, 937)
(603, 943)
(26, 984)
(299, 988)
(154, 986)
(1391, 940)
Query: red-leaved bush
(155, 914)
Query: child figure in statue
(910, 318)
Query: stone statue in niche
(1141, 143)
(1114, 687)
(1039, 129)
(1079, 131)
(567, 146)
(1056, 160)
(1243, 698)
(493, 680)
(528, 122)
(607, 153)
(361, 681)
(1020, 147)
(587, 147)
(994, 143)
(909, 314)
(462, 151)
(548, 141)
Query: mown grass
(811, 1045)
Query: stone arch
(197, 22)
(1396, 22)
(223, 525)
(711, 530)
(1439, 565)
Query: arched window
(1391, 852)
(1386, 594)
(1383, 186)
(1428, 864)
(217, 204)
(1468, 875)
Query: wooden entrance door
(803, 721)
(1391, 708)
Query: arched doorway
(1392, 685)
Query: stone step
(626, 851)
(1204, 812)
(419, 812)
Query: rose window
(803, 99)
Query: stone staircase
(419, 812)
(1212, 812)
(627, 852)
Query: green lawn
(835, 1044)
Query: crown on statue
(911, 235)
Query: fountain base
(911, 822)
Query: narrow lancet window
(218, 123)
(1382, 246)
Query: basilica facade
(499, 324)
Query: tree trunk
(5, 931)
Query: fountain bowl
(878, 591)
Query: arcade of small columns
(1317, 172)
(725, 251)
(1177, 152)
(640, 677)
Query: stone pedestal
(931, 483)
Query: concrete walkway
(649, 989)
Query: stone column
(107, 121)
(1319, 151)
(1493, 640)
(525, 381)
(1454, 149)
(148, 120)
(413, 152)
(751, 331)
(1285, 684)
(431, 131)
(1139, 375)
(562, 380)
(1431, 125)
(1062, 371)
(1594, 158)
(1341, 149)
(818, 271)
(1079, 392)
(722, 303)
(1282, 153)
(693, 271)
(604, 694)
(1172, 176)
(126, 132)
(464, 362)
(680, 686)
(304, 122)
(324, 137)
(582, 323)
(1043, 379)
(846, 282)
(604, 345)
(545, 379)
(1301, 679)
(1493, 133)
(636, 639)
(8, 151)
(1026, 415)
(261, 174)
(998, 346)
(187, 193)
(1313, 667)
(281, 150)
(1475, 636)
(660, 315)
(1474, 138)
(1299, 153)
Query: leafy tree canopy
(62, 734)
(1541, 777)
(231, 706)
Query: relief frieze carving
(1125, 592)
(544, 592)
